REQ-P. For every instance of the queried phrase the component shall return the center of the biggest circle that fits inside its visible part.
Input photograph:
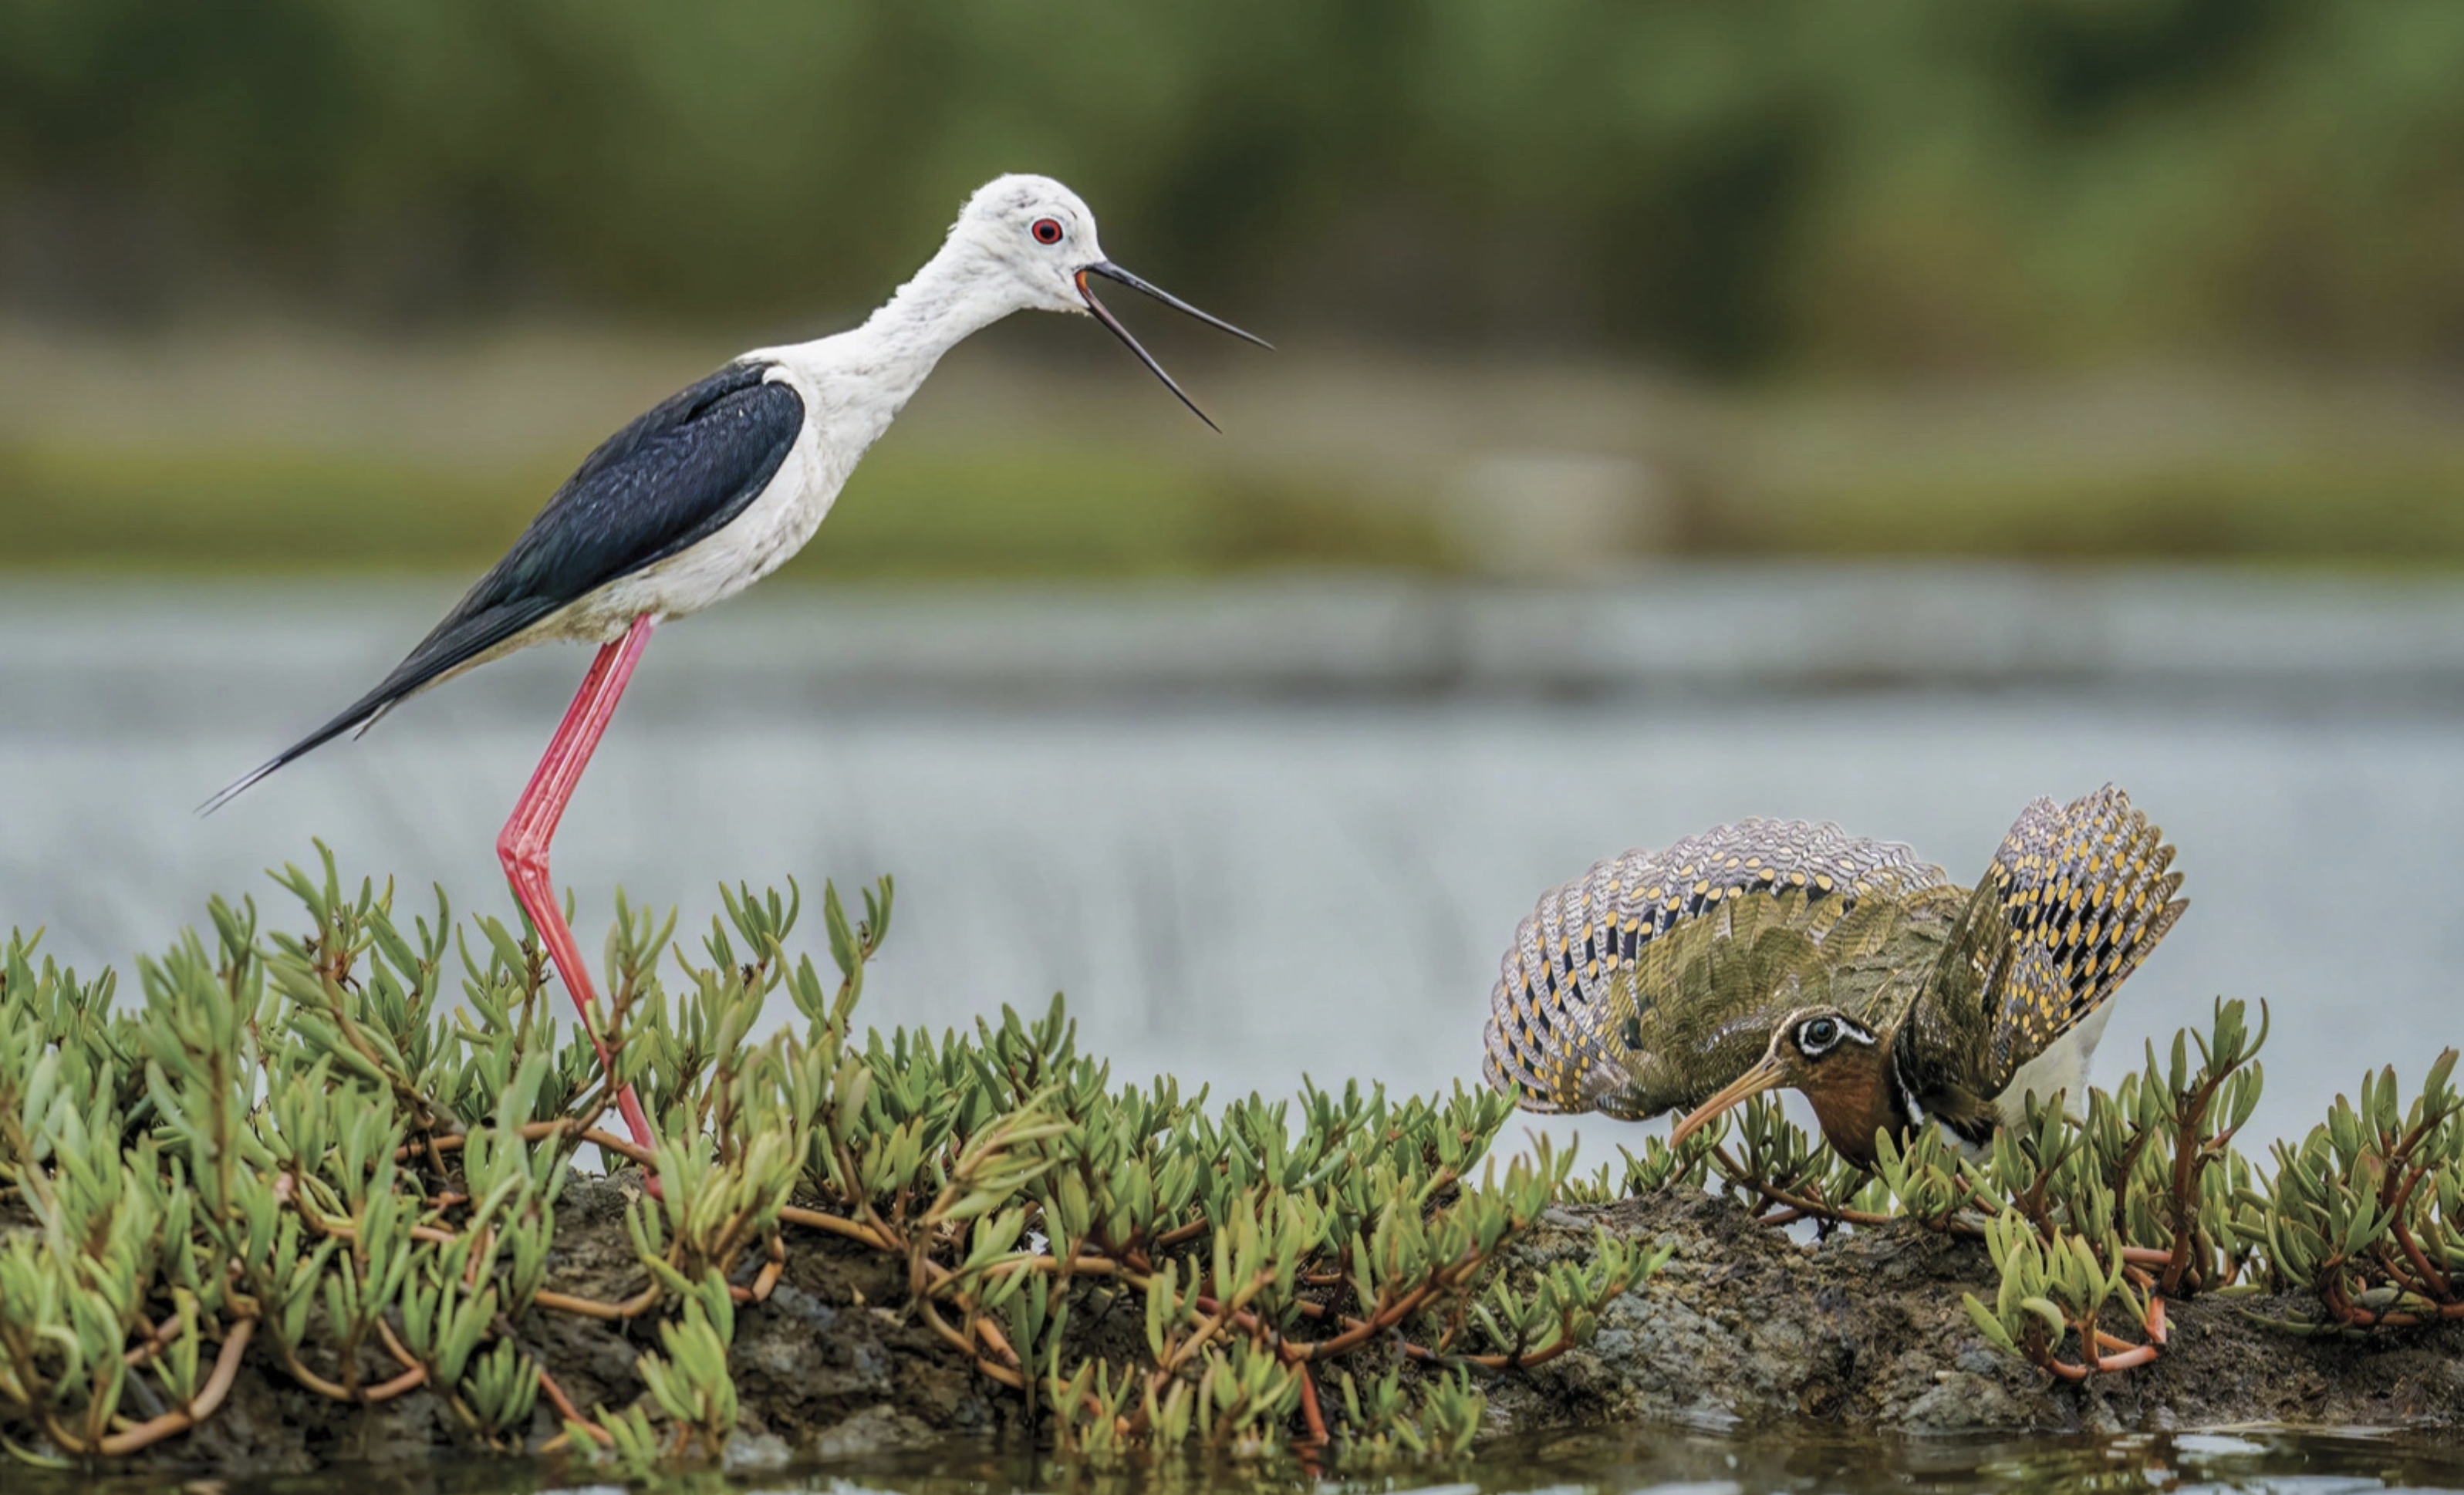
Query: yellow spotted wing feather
(2085, 892)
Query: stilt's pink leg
(522, 845)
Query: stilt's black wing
(668, 480)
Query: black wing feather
(668, 481)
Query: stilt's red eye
(1047, 230)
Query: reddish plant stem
(634, 1307)
(571, 1414)
(1803, 1206)
(608, 1142)
(153, 1430)
(1311, 1416)
(152, 1344)
(835, 1224)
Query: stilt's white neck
(958, 291)
(872, 370)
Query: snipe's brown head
(1840, 1064)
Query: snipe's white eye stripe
(1817, 1037)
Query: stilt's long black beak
(1112, 272)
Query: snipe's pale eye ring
(1818, 1036)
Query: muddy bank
(826, 1367)
(1746, 1326)
(1742, 1327)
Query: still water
(1260, 829)
(1624, 1463)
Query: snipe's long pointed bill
(1103, 314)
(1764, 1076)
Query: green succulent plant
(349, 1144)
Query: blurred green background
(1557, 285)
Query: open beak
(1103, 314)
(1764, 1076)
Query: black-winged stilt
(715, 488)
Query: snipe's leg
(522, 845)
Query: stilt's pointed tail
(467, 636)
(361, 714)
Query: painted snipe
(1782, 953)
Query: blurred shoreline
(1042, 456)
(107, 653)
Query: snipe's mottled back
(1667, 980)
(1653, 979)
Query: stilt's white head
(1039, 232)
(1033, 241)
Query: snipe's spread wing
(2075, 898)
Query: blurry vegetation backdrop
(1557, 285)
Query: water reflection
(1630, 1462)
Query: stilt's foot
(527, 870)
(639, 1124)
